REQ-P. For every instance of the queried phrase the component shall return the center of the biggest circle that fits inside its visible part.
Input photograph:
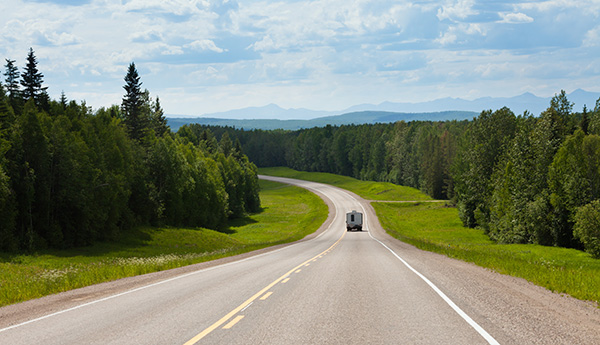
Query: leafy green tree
(587, 227)
(514, 189)
(574, 181)
(482, 147)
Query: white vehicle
(354, 221)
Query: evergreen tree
(63, 100)
(159, 121)
(31, 80)
(135, 120)
(12, 83)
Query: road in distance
(338, 288)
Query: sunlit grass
(437, 228)
(289, 213)
(366, 189)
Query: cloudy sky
(203, 56)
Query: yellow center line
(285, 280)
(266, 296)
(298, 271)
(233, 322)
(224, 319)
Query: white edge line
(447, 299)
(158, 283)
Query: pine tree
(12, 83)
(135, 120)
(32, 79)
(159, 121)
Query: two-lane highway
(337, 288)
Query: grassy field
(289, 214)
(436, 227)
(366, 189)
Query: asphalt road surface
(336, 287)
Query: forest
(71, 176)
(520, 178)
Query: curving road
(336, 287)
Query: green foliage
(31, 80)
(135, 106)
(481, 148)
(289, 214)
(587, 227)
(418, 154)
(70, 177)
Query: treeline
(416, 154)
(522, 179)
(70, 176)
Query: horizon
(204, 57)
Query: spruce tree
(32, 79)
(135, 120)
(159, 121)
(12, 83)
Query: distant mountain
(269, 112)
(274, 117)
(517, 104)
(361, 117)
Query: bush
(587, 227)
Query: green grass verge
(437, 228)
(366, 189)
(289, 214)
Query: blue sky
(203, 56)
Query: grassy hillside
(366, 189)
(289, 213)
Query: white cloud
(457, 9)
(592, 38)
(515, 18)
(205, 44)
(333, 53)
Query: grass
(289, 214)
(437, 228)
(366, 189)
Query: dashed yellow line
(282, 279)
(285, 280)
(233, 322)
(266, 296)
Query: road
(337, 287)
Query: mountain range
(274, 117)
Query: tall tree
(159, 121)
(135, 120)
(32, 80)
(12, 86)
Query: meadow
(288, 214)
